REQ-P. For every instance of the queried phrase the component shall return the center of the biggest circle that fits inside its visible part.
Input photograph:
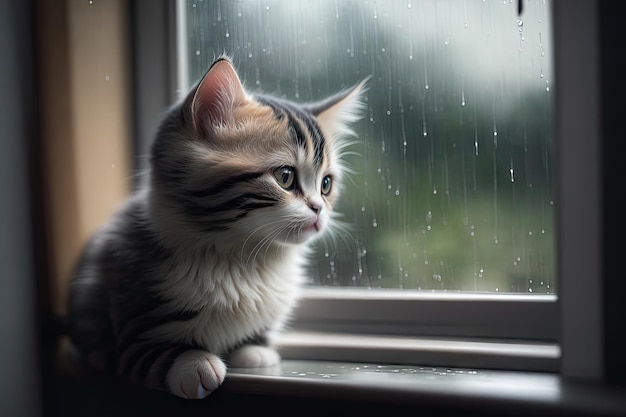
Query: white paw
(253, 356)
(195, 374)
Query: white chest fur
(234, 300)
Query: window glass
(453, 187)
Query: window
(581, 280)
(455, 165)
(454, 174)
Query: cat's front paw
(195, 374)
(253, 356)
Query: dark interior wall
(20, 393)
(613, 92)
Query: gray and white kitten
(204, 262)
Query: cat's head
(250, 169)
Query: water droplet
(197, 52)
(388, 112)
(106, 78)
(227, 35)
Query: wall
(83, 71)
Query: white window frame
(547, 332)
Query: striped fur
(204, 261)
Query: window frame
(577, 332)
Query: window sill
(436, 390)
(332, 387)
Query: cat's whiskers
(291, 226)
(266, 241)
(340, 230)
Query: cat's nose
(315, 206)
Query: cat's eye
(286, 177)
(327, 184)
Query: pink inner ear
(217, 95)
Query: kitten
(204, 262)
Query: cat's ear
(217, 95)
(336, 113)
